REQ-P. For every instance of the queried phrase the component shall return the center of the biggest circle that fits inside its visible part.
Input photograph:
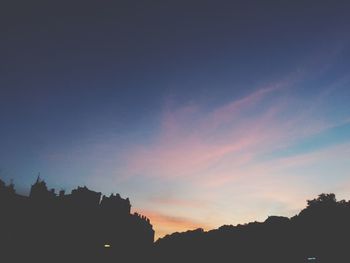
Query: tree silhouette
(323, 200)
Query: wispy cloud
(192, 140)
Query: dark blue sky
(99, 92)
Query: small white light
(107, 245)
(311, 258)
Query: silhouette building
(39, 191)
(75, 227)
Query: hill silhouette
(85, 226)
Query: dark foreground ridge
(83, 227)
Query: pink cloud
(190, 142)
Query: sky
(203, 113)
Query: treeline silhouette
(83, 227)
(319, 233)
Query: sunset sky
(203, 113)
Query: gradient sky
(204, 113)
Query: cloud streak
(192, 141)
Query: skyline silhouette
(85, 226)
(40, 188)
